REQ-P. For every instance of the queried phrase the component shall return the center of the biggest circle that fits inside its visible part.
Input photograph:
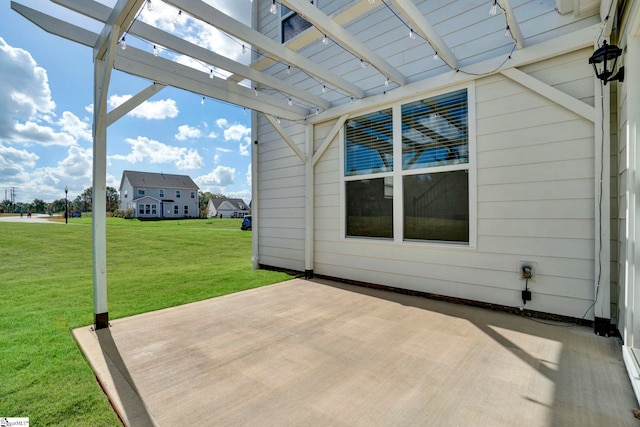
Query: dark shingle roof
(236, 203)
(159, 180)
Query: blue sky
(46, 101)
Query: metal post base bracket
(102, 320)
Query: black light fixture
(604, 62)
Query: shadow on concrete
(126, 401)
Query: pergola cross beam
(225, 23)
(420, 24)
(337, 33)
(154, 35)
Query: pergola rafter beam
(420, 24)
(512, 22)
(154, 35)
(56, 26)
(566, 43)
(225, 23)
(337, 33)
(146, 65)
(122, 15)
(307, 37)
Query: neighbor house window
(292, 24)
(177, 194)
(428, 161)
(161, 192)
(186, 209)
(176, 210)
(141, 191)
(154, 209)
(193, 194)
(141, 209)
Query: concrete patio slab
(314, 353)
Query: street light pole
(66, 205)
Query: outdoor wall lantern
(604, 63)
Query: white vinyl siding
(535, 189)
(281, 189)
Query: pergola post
(100, 200)
(309, 209)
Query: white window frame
(398, 173)
(161, 192)
(141, 192)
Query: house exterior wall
(625, 121)
(281, 188)
(532, 185)
(127, 196)
(535, 203)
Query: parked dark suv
(246, 223)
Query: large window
(431, 143)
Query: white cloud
(187, 132)
(44, 183)
(212, 135)
(78, 164)
(222, 123)
(236, 132)
(43, 135)
(221, 176)
(13, 163)
(13, 155)
(26, 103)
(24, 89)
(72, 125)
(191, 160)
(150, 110)
(244, 147)
(216, 158)
(224, 150)
(148, 150)
(249, 181)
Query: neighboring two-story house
(159, 195)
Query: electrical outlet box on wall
(533, 270)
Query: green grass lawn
(46, 290)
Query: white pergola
(352, 88)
